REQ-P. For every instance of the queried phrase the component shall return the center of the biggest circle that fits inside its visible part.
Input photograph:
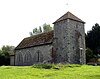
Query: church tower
(69, 39)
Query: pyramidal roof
(69, 15)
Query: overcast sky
(19, 17)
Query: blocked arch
(38, 57)
(28, 58)
(19, 59)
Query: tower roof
(69, 15)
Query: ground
(56, 72)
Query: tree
(40, 29)
(93, 39)
(44, 28)
(5, 54)
(89, 54)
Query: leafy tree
(40, 29)
(44, 28)
(5, 54)
(89, 54)
(93, 39)
(6, 49)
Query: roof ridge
(38, 34)
(43, 38)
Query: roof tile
(69, 15)
(40, 39)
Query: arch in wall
(38, 57)
(28, 58)
(19, 59)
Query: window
(19, 57)
(28, 57)
(39, 56)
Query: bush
(89, 54)
(45, 66)
(73, 65)
(55, 66)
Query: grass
(58, 71)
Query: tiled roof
(36, 40)
(69, 15)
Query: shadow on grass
(92, 76)
(95, 76)
(55, 66)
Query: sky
(19, 17)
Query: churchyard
(50, 71)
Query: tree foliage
(89, 54)
(5, 54)
(44, 28)
(93, 39)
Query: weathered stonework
(12, 60)
(69, 41)
(33, 55)
(66, 44)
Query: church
(64, 44)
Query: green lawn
(59, 72)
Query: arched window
(28, 58)
(19, 59)
(38, 57)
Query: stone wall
(33, 55)
(12, 60)
(69, 41)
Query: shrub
(89, 54)
(55, 66)
(45, 66)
